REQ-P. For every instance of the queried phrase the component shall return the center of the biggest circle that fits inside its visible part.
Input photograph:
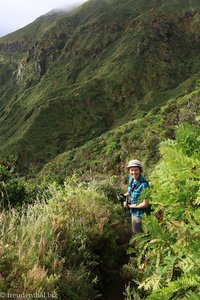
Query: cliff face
(67, 78)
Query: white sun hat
(134, 163)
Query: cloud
(15, 14)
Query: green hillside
(82, 93)
(66, 79)
(139, 137)
(71, 240)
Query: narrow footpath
(115, 285)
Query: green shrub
(57, 243)
(167, 263)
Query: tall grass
(47, 246)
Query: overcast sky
(15, 14)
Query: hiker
(136, 186)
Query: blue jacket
(135, 189)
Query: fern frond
(151, 283)
(183, 284)
(192, 296)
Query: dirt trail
(115, 287)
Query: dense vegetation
(139, 137)
(166, 265)
(81, 93)
(66, 238)
(56, 244)
(68, 78)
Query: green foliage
(12, 188)
(111, 148)
(140, 136)
(168, 254)
(189, 140)
(17, 191)
(57, 243)
(90, 90)
(128, 59)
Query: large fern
(167, 253)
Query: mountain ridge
(90, 70)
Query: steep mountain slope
(109, 153)
(66, 79)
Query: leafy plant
(168, 255)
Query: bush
(12, 188)
(56, 249)
(17, 191)
(167, 264)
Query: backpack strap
(137, 186)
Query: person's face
(134, 172)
